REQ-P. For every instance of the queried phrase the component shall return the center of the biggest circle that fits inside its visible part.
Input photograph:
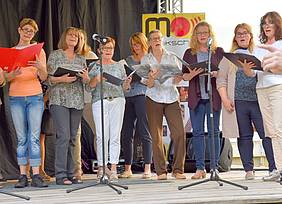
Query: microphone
(209, 41)
(99, 38)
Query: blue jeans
(27, 114)
(198, 124)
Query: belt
(110, 98)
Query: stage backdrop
(116, 18)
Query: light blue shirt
(203, 56)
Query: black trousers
(135, 119)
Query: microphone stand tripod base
(104, 180)
(214, 177)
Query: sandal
(125, 174)
(44, 176)
(63, 181)
(199, 174)
(146, 175)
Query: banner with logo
(176, 28)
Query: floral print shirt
(69, 95)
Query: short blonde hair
(62, 42)
(29, 21)
(139, 38)
(111, 40)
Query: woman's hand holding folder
(247, 67)
(192, 73)
(84, 75)
(66, 78)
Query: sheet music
(166, 71)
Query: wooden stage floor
(153, 191)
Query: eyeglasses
(267, 24)
(108, 48)
(73, 35)
(238, 34)
(28, 31)
(202, 33)
(156, 39)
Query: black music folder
(131, 72)
(112, 79)
(235, 57)
(203, 65)
(62, 71)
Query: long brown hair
(276, 19)
(248, 28)
(194, 44)
(62, 42)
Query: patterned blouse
(69, 95)
(166, 92)
(110, 90)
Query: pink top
(27, 83)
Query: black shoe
(38, 182)
(2, 178)
(75, 180)
(23, 182)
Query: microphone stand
(104, 180)
(214, 172)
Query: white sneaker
(273, 176)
